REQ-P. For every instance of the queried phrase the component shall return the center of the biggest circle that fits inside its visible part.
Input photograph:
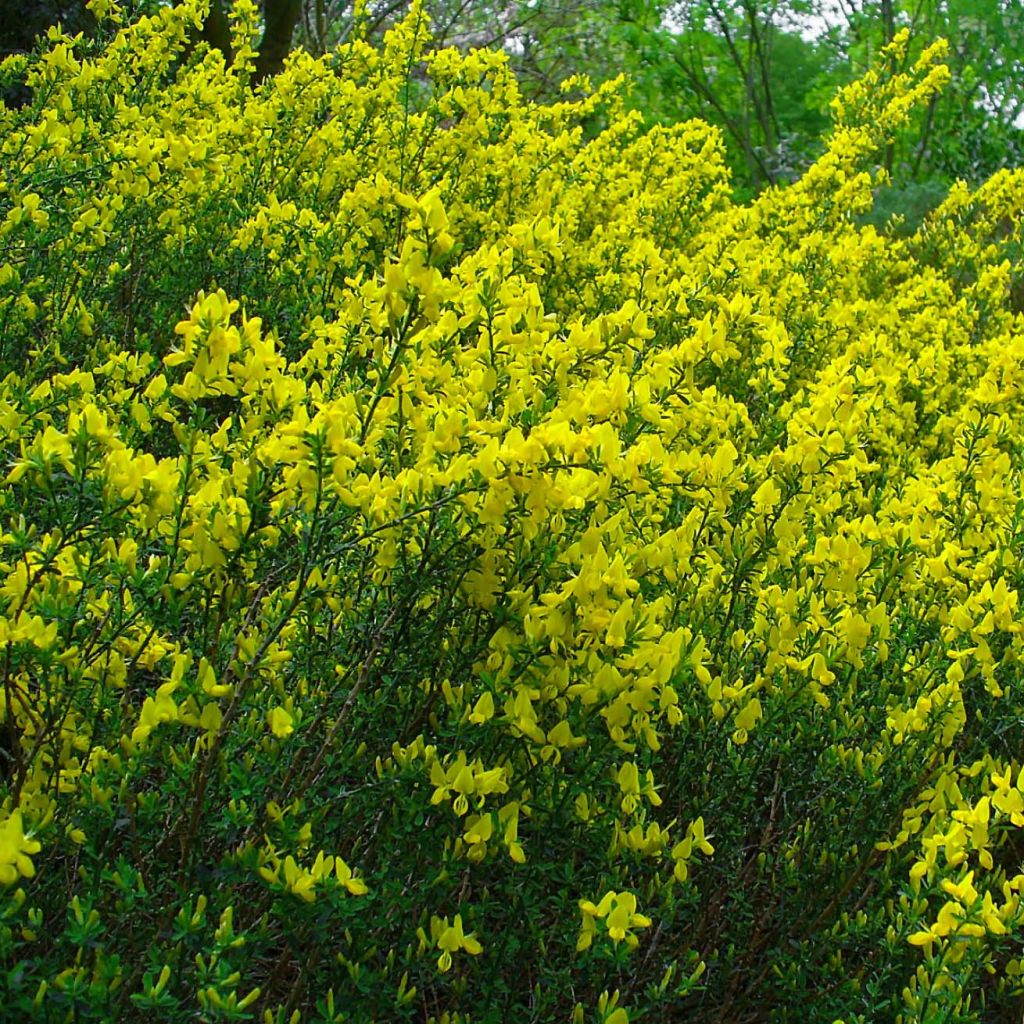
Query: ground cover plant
(458, 565)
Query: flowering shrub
(459, 567)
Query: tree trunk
(216, 31)
(280, 18)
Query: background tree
(741, 65)
(762, 70)
(547, 40)
(974, 126)
(279, 20)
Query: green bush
(457, 570)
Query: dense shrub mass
(457, 565)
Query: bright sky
(810, 26)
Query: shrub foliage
(458, 565)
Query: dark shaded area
(217, 30)
(279, 20)
(23, 21)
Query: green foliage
(904, 209)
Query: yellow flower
(356, 886)
(281, 722)
(15, 848)
(618, 911)
(766, 497)
(450, 938)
